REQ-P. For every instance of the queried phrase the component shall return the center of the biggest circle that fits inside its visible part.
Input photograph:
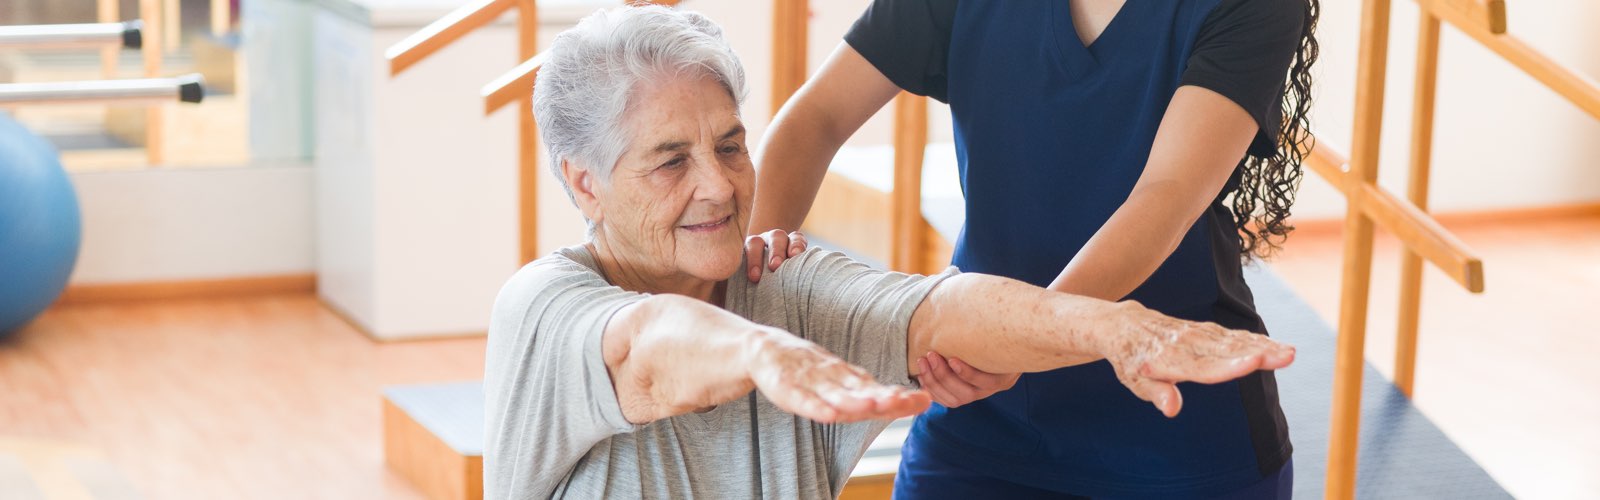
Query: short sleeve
(548, 395)
(859, 313)
(1243, 52)
(909, 42)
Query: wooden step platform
(433, 436)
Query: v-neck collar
(1076, 56)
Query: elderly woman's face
(679, 198)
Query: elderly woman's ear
(582, 183)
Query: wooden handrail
(1486, 15)
(1411, 225)
(443, 32)
(221, 17)
(905, 197)
(790, 20)
(1575, 87)
(513, 85)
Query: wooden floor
(268, 397)
(274, 397)
(1510, 375)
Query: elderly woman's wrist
(755, 344)
(1097, 328)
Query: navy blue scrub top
(1051, 136)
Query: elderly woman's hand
(756, 245)
(1152, 352)
(804, 379)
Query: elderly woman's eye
(673, 163)
(731, 149)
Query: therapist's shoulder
(1282, 15)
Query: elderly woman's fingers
(1164, 395)
(895, 402)
(801, 401)
(1179, 366)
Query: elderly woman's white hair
(596, 67)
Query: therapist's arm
(668, 355)
(807, 132)
(1199, 143)
(1002, 325)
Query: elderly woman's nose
(712, 181)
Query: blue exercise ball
(39, 226)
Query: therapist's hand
(953, 383)
(754, 246)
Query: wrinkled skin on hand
(1151, 352)
(804, 379)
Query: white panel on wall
(172, 225)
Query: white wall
(161, 225)
(1501, 139)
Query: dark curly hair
(1267, 186)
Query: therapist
(1136, 150)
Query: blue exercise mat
(1402, 454)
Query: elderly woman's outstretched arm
(1002, 325)
(669, 355)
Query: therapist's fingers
(984, 384)
(778, 241)
(754, 247)
(797, 243)
(938, 387)
(942, 382)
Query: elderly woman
(633, 366)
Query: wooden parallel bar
(527, 140)
(150, 14)
(172, 23)
(1486, 15)
(1581, 90)
(1410, 307)
(221, 17)
(108, 11)
(789, 23)
(447, 29)
(513, 85)
(905, 221)
(1413, 227)
(1345, 418)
